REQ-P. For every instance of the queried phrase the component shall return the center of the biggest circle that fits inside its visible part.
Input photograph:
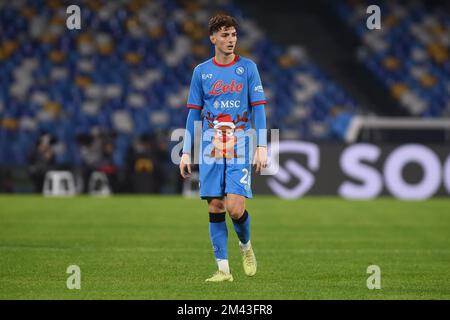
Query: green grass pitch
(158, 247)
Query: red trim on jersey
(258, 102)
(236, 58)
(193, 106)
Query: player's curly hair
(221, 20)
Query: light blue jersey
(226, 94)
(226, 89)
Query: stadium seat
(131, 74)
(412, 49)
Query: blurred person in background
(96, 152)
(42, 159)
(144, 165)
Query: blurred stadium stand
(410, 54)
(126, 73)
(326, 30)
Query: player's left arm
(258, 102)
(260, 159)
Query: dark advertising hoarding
(358, 171)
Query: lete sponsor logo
(220, 88)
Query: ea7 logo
(206, 76)
(294, 171)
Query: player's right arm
(195, 104)
(185, 163)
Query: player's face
(225, 40)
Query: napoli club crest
(240, 70)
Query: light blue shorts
(222, 177)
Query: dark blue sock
(242, 227)
(218, 233)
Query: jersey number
(244, 178)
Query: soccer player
(226, 94)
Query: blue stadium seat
(115, 67)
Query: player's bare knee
(216, 205)
(235, 210)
